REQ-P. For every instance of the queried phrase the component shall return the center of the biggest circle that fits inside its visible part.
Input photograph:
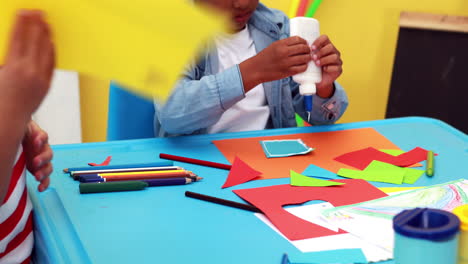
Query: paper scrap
(301, 180)
(396, 152)
(137, 44)
(317, 172)
(270, 200)
(328, 145)
(372, 220)
(104, 163)
(240, 172)
(360, 159)
(383, 172)
(312, 213)
(339, 256)
(284, 148)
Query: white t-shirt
(252, 112)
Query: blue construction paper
(284, 148)
(339, 256)
(317, 172)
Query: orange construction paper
(240, 172)
(270, 200)
(327, 146)
(360, 159)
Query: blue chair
(130, 116)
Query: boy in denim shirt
(243, 82)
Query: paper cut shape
(301, 180)
(312, 213)
(270, 200)
(353, 255)
(396, 152)
(240, 172)
(137, 44)
(284, 148)
(393, 152)
(383, 172)
(360, 159)
(317, 172)
(328, 145)
(104, 163)
(372, 220)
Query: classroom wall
(365, 32)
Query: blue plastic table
(161, 225)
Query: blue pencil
(123, 166)
(285, 259)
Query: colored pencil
(112, 186)
(222, 201)
(430, 163)
(121, 186)
(122, 177)
(195, 161)
(170, 181)
(124, 166)
(94, 171)
(285, 259)
(96, 178)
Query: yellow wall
(364, 31)
(94, 100)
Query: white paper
(312, 214)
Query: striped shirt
(16, 224)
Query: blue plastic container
(426, 236)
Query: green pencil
(430, 163)
(112, 186)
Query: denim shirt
(201, 96)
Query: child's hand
(281, 59)
(328, 57)
(29, 62)
(38, 154)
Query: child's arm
(198, 101)
(24, 81)
(283, 58)
(38, 154)
(331, 100)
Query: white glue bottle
(308, 29)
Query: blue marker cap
(425, 223)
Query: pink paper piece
(240, 172)
(360, 159)
(270, 200)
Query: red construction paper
(327, 146)
(360, 159)
(104, 163)
(270, 200)
(240, 172)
